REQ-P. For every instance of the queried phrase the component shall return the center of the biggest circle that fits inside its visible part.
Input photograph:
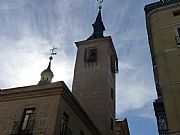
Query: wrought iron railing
(163, 132)
(17, 128)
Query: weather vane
(52, 52)
(100, 2)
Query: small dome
(46, 75)
(47, 72)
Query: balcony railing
(163, 132)
(17, 128)
(178, 40)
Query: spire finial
(51, 56)
(100, 4)
(52, 52)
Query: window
(176, 13)
(82, 133)
(114, 64)
(112, 124)
(28, 120)
(178, 36)
(64, 123)
(178, 29)
(90, 54)
(112, 93)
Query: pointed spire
(49, 66)
(98, 27)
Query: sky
(29, 29)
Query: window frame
(177, 30)
(112, 124)
(112, 93)
(27, 124)
(88, 57)
(177, 37)
(65, 119)
(176, 12)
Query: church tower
(94, 77)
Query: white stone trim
(170, 83)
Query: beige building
(163, 26)
(48, 109)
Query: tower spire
(98, 25)
(47, 74)
(49, 66)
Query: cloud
(133, 96)
(30, 28)
(135, 91)
(24, 60)
(9, 4)
(26, 40)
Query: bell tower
(94, 77)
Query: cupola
(47, 75)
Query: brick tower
(94, 77)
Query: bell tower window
(90, 54)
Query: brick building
(121, 127)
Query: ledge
(148, 8)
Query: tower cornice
(99, 40)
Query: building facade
(163, 27)
(48, 109)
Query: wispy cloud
(29, 28)
(23, 61)
(135, 91)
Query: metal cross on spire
(51, 57)
(52, 52)
(100, 2)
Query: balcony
(178, 40)
(17, 128)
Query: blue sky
(29, 28)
